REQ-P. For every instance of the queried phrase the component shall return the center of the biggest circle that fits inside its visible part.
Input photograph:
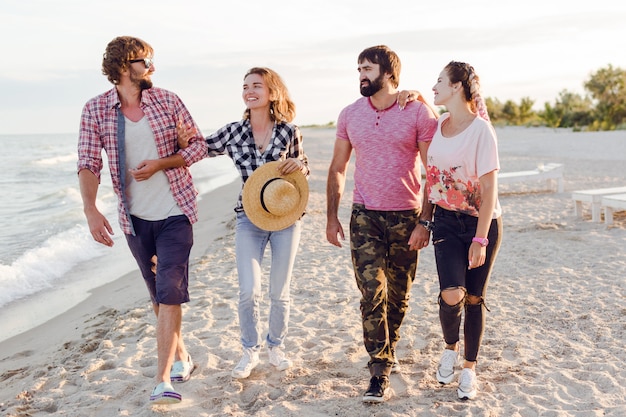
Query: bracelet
(482, 240)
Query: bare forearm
(489, 196)
(172, 161)
(427, 208)
(88, 183)
(334, 190)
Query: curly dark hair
(118, 54)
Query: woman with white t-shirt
(462, 210)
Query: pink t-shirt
(455, 165)
(387, 171)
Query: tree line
(603, 107)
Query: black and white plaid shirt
(236, 140)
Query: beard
(139, 80)
(373, 87)
(145, 84)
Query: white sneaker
(468, 386)
(278, 358)
(248, 362)
(445, 371)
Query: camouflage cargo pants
(384, 268)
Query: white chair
(611, 203)
(593, 196)
(549, 172)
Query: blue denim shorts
(171, 240)
(452, 236)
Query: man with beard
(388, 142)
(135, 123)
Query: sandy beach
(553, 346)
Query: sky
(51, 51)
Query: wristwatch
(482, 240)
(428, 225)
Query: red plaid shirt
(98, 131)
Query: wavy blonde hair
(282, 109)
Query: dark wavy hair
(387, 59)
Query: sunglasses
(146, 61)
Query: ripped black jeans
(452, 237)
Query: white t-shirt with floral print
(456, 163)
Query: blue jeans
(250, 244)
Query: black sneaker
(377, 389)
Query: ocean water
(45, 243)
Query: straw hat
(273, 201)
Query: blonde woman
(264, 134)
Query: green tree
(578, 110)
(569, 110)
(552, 116)
(607, 87)
(494, 107)
(526, 112)
(602, 108)
(510, 112)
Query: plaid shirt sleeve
(297, 150)
(98, 132)
(89, 144)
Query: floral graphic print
(450, 192)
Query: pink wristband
(482, 240)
